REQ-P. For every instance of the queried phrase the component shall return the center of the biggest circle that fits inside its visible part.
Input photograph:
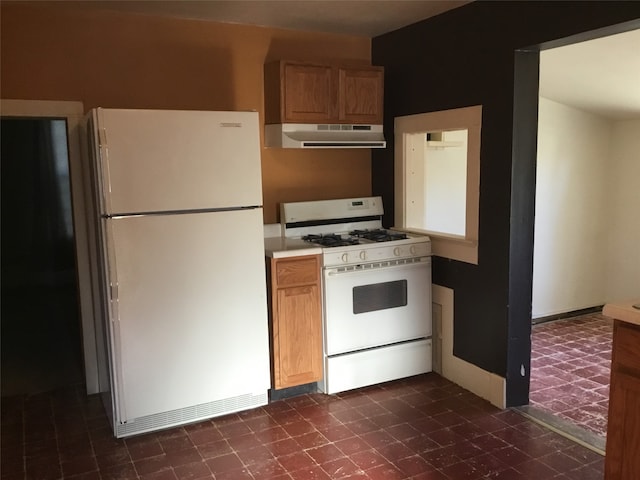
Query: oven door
(377, 304)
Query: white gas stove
(350, 231)
(376, 291)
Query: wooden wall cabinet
(296, 320)
(297, 92)
(622, 461)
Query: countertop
(623, 311)
(280, 247)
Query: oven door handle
(334, 272)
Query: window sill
(449, 246)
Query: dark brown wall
(467, 57)
(64, 51)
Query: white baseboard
(484, 384)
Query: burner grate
(331, 240)
(378, 235)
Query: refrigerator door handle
(114, 301)
(102, 136)
(112, 270)
(114, 323)
(106, 174)
(102, 156)
(98, 149)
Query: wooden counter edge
(623, 311)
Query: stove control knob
(363, 255)
(412, 249)
(396, 251)
(345, 257)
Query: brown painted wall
(66, 52)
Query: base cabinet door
(623, 431)
(622, 461)
(298, 338)
(296, 321)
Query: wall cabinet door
(360, 94)
(308, 94)
(296, 321)
(313, 93)
(622, 459)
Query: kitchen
(240, 89)
(181, 69)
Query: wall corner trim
(482, 383)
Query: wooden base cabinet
(622, 461)
(296, 320)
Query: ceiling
(600, 76)
(368, 18)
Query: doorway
(569, 135)
(71, 113)
(40, 324)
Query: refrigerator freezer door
(192, 320)
(161, 160)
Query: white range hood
(303, 135)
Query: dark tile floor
(570, 369)
(419, 428)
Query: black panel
(523, 184)
(466, 57)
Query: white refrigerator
(181, 261)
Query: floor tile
(571, 361)
(419, 428)
(341, 468)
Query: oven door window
(379, 296)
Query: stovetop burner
(378, 235)
(331, 240)
(355, 237)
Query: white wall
(623, 213)
(571, 213)
(445, 180)
(587, 226)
